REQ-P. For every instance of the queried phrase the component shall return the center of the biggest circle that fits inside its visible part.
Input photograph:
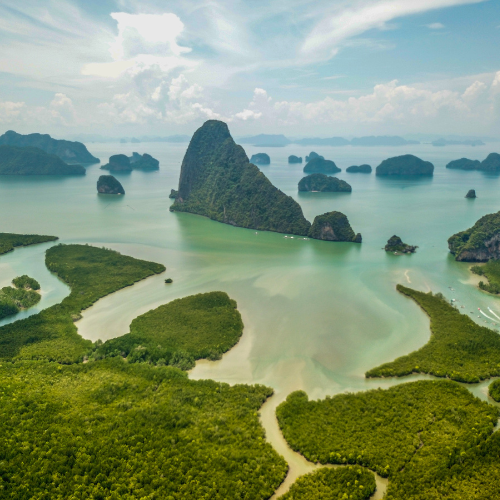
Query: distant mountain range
(266, 140)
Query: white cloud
(350, 19)
(435, 26)
(248, 114)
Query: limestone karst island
(250, 250)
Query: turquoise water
(317, 314)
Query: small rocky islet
(107, 184)
(320, 165)
(123, 163)
(471, 193)
(260, 159)
(405, 165)
(294, 159)
(395, 245)
(324, 184)
(359, 169)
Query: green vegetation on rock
(479, 243)
(459, 348)
(260, 159)
(491, 271)
(112, 430)
(494, 390)
(107, 184)
(26, 282)
(405, 165)
(34, 161)
(294, 159)
(324, 183)
(9, 241)
(428, 437)
(359, 169)
(91, 273)
(343, 483)
(205, 325)
(173, 194)
(395, 244)
(320, 165)
(219, 182)
(23, 296)
(333, 226)
(491, 163)
(144, 162)
(68, 151)
(464, 164)
(118, 163)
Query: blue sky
(298, 67)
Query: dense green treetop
(26, 282)
(343, 483)
(323, 183)
(205, 325)
(107, 184)
(491, 271)
(494, 390)
(9, 241)
(333, 226)
(34, 161)
(464, 164)
(405, 165)
(417, 434)
(219, 182)
(479, 243)
(21, 296)
(113, 430)
(459, 348)
(91, 273)
(320, 165)
(68, 151)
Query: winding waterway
(317, 315)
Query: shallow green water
(317, 314)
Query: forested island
(205, 325)
(333, 226)
(218, 181)
(124, 163)
(132, 429)
(68, 151)
(479, 243)
(23, 295)
(320, 165)
(107, 184)
(294, 159)
(324, 183)
(432, 439)
(260, 159)
(491, 164)
(409, 165)
(471, 193)
(458, 349)
(396, 245)
(359, 169)
(143, 162)
(9, 241)
(491, 271)
(33, 161)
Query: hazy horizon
(299, 68)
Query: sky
(299, 67)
